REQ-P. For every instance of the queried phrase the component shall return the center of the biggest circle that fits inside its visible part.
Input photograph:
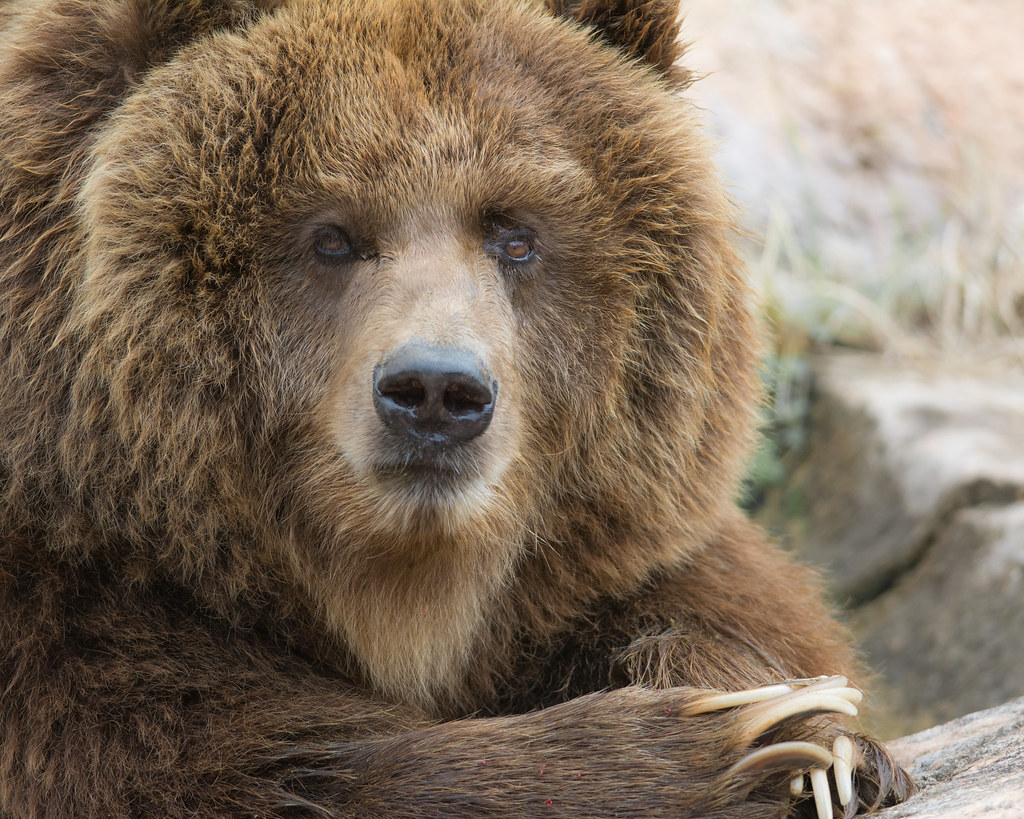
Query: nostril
(408, 393)
(464, 399)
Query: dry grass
(877, 149)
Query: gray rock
(970, 767)
(911, 497)
(947, 638)
(895, 449)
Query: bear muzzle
(432, 398)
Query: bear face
(280, 212)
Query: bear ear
(645, 29)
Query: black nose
(433, 396)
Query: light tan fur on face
(436, 287)
(413, 591)
(418, 599)
(413, 623)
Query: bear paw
(852, 760)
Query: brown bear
(376, 379)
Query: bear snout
(433, 397)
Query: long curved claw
(762, 716)
(719, 701)
(733, 699)
(766, 707)
(782, 756)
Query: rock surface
(970, 767)
(911, 497)
(947, 636)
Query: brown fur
(219, 594)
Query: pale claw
(813, 699)
(796, 785)
(792, 754)
(830, 686)
(783, 755)
(731, 699)
(770, 705)
(822, 795)
(842, 768)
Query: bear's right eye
(332, 243)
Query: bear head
(370, 307)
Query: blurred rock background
(876, 153)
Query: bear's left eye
(518, 249)
(513, 245)
(332, 243)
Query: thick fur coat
(227, 586)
